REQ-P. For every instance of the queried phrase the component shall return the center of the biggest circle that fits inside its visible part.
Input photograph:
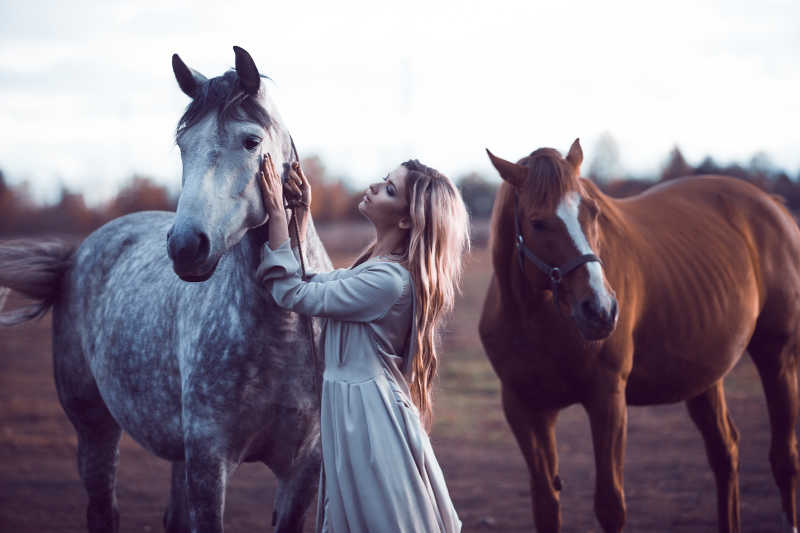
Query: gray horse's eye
(251, 142)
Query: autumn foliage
(334, 199)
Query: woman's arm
(272, 195)
(364, 296)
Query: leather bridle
(555, 274)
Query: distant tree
(761, 167)
(625, 187)
(478, 194)
(676, 166)
(737, 171)
(7, 211)
(140, 193)
(17, 208)
(707, 166)
(315, 172)
(605, 165)
(332, 199)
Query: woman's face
(384, 202)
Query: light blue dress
(379, 471)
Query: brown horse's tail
(35, 269)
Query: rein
(294, 228)
(554, 273)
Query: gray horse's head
(227, 128)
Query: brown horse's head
(558, 221)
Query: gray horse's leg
(98, 432)
(207, 473)
(295, 492)
(176, 517)
(98, 457)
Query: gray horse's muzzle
(189, 249)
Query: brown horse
(644, 300)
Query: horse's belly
(678, 377)
(145, 403)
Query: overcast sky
(87, 94)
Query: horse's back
(731, 198)
(715, 213)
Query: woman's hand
(270, 184)
(297, 188)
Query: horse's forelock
(225, 96)
(550, 177)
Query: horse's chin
(595, 333)
(194, 277)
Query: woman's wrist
(275, 210)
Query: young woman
(379, 471)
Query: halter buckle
(555, 275)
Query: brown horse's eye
(539, 225)
(592, 208)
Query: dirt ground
(669, 486)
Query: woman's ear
(404, 223)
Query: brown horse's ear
(575, 155)
(511, 172)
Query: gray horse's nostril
(203, 247)
(188, 247)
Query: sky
(88, 97)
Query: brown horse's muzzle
(596, 321)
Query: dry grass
(669, 486)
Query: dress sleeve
(320, 276)
(364, 296)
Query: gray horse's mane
(225, 95)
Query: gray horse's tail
(35, 269)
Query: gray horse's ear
(575, 155)
(189, 79)
(511, 172)
(247, 71)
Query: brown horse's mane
(550, 177)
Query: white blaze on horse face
(568, 211)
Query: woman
(379, 471)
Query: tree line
(21, 215)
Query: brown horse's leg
(535, 433)
(710, 414)
(608, 417)
(778, 371)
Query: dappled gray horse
(205, 375)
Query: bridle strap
(296, 230)
(554, 274)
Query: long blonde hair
(437, 240)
